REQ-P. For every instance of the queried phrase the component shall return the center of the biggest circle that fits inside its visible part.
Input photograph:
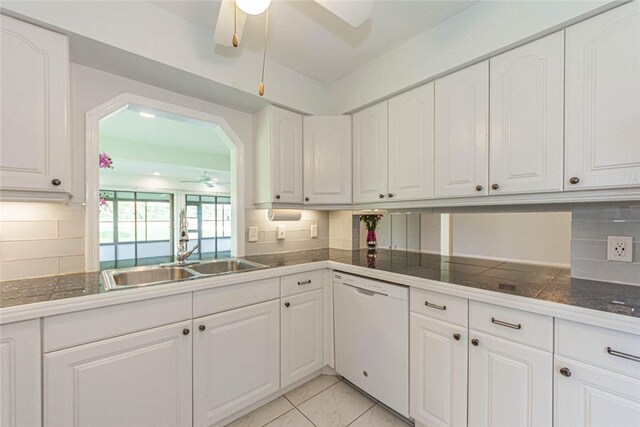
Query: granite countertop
(524, 280)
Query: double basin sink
(156, 275)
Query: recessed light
(147, 115)
(156, 173)
(215, 179)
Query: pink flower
(105, 161)
(102, 202)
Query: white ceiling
(311, 40)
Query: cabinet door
(20, 373)
(327, 159)
(509, 384)
(140, 379)
(286, 156)
(236, 360)
(370, 154)
(603, 100)
(462, 121)
(527, 128)
(594, 397)
(35, 83)
(302, 347)
(438, 378)
(411, 144)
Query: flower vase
(372, 239)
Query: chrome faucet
(183, 253)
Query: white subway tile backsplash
(70, 229)
(28, 230)
(591, 224)
(23, 269)
(30, 249)
(71, 264)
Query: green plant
(371, 221)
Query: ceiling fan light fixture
(253, 7)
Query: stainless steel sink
(155, 275)
(224, 266)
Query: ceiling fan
(233, 14)
(205, 180)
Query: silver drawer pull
(437, 307)
(507, 324)
(623, 355)
(306, 282)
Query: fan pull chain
(264, 55)
(235, 25)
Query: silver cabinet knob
(202, 327)
(56, 182)
(306, 199)
(185, 331)
(574, 180)
(495, 186)
(381, 196)
(390, 195)
(456, 337)
(287, 304)
(478, 187)
(475, 342)
(566, 372)
(277, 196)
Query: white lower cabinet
(20, 373)
(438, 380)
(236, 360)
(302, 350)
(510, 384)
(586, 395)
(139, 379)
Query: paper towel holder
(284, 214)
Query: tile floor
(325, 401)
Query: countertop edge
(549, 308)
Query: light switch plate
(314, 231)
(253, 234)
(620, 248)
(281, 232)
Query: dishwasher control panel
(384, 288)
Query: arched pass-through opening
(123, 101)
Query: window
(209, 220)
(136, 228)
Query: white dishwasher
(372, 337)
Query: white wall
(533, 237)
(473, 34)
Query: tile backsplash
(298, 232)
(591, 224)
(40, 239)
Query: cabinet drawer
(80, 327)
(439, 306)
(302, 282)
(613, 350)
(225, 298)
(532, 329)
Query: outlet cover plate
(253, 234)
(314, 231)
(281, 232)
(620, 248)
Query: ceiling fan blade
(223, 33)
(353, 12)
(189, 181)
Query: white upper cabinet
(34, 155)
(327, 159)
(461, 129)
(278, 156)
(411, 145)
(603, 100)
(370, 154)
(526, 148)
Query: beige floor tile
(310, 389)
(264, 414)
(378, 416)
(293, 418)
(337, 406)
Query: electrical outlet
(314, 231)
(620, 248)
(281, 232)
(253, 234)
